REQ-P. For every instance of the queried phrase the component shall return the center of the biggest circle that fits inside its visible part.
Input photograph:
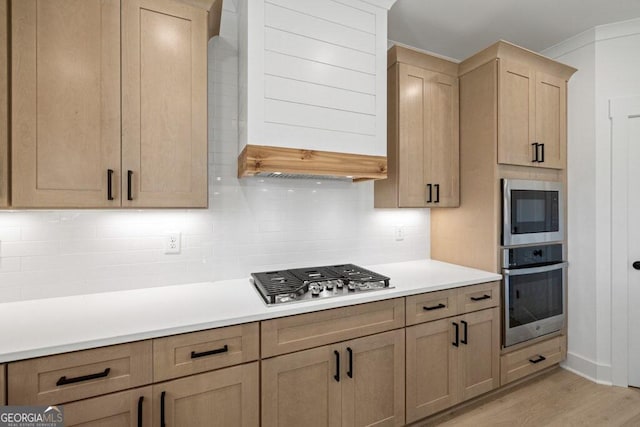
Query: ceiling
(459, 28)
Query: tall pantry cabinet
(108, 104)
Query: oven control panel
(532, 256)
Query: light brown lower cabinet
(3, 385)
(225, 398)
(130, 408)
(531, 359)
(451, 360)
(354, 383)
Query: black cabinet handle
(109, 184)
(535, 152)
(65, 380)
(434, 307)
(337, 375)
(437, 186)
(430, 188)
(483, 297)
(456, 343)
(541, 154)
(129, 179)
(350, 371)
(538, 360)
(464, 333)
(162, 409)
(636, 265)
(140, 400)
(224, 349)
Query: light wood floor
(558, 398)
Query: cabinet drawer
(531, 359)
(478, 297)
(431, 306)
(304, 331)
(188, 354)
(73, 376)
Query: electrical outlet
(172, 243)
(399, 233)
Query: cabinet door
(479, 359)
(65, 113)
(432, 369)
(126, 409)
(164, 87)
(414, 155)
(3, 385)
(301, 389)
(516, 110)
(551, 120)
(443, 140)
(373, 382)
(4, 106)
(224, 398)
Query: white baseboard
(586, 368)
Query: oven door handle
(534, 270)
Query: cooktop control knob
(329, 285)
(316, 289)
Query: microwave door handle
(534, 270)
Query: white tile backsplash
(252, 224)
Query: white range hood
(313, 87)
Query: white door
(626, 235)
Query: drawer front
(304, 331)
(478, 297)
(73, 376)
(532, 359)
(188, 354)
(431, 306)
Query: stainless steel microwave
(532, 212)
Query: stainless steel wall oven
(534, 292)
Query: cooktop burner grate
(313, 282)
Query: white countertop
(57, 325)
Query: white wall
(251, 225)
(608, 59)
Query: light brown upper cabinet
(65, 102)
(532, 121)
(103, 120)
(164, 104)
(422, 132)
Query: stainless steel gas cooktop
(302, 284)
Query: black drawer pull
(65, 380)
(483, 297)
(129, 189)
(337, 375)
(466, 326)
(430, 198)
(350, 371)
(163, 421)
(437, 187)
(456, 343)
(110, 184)
(224, 349)
(535, 152)
(435, 307)
(140, 400)
(540, 358)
